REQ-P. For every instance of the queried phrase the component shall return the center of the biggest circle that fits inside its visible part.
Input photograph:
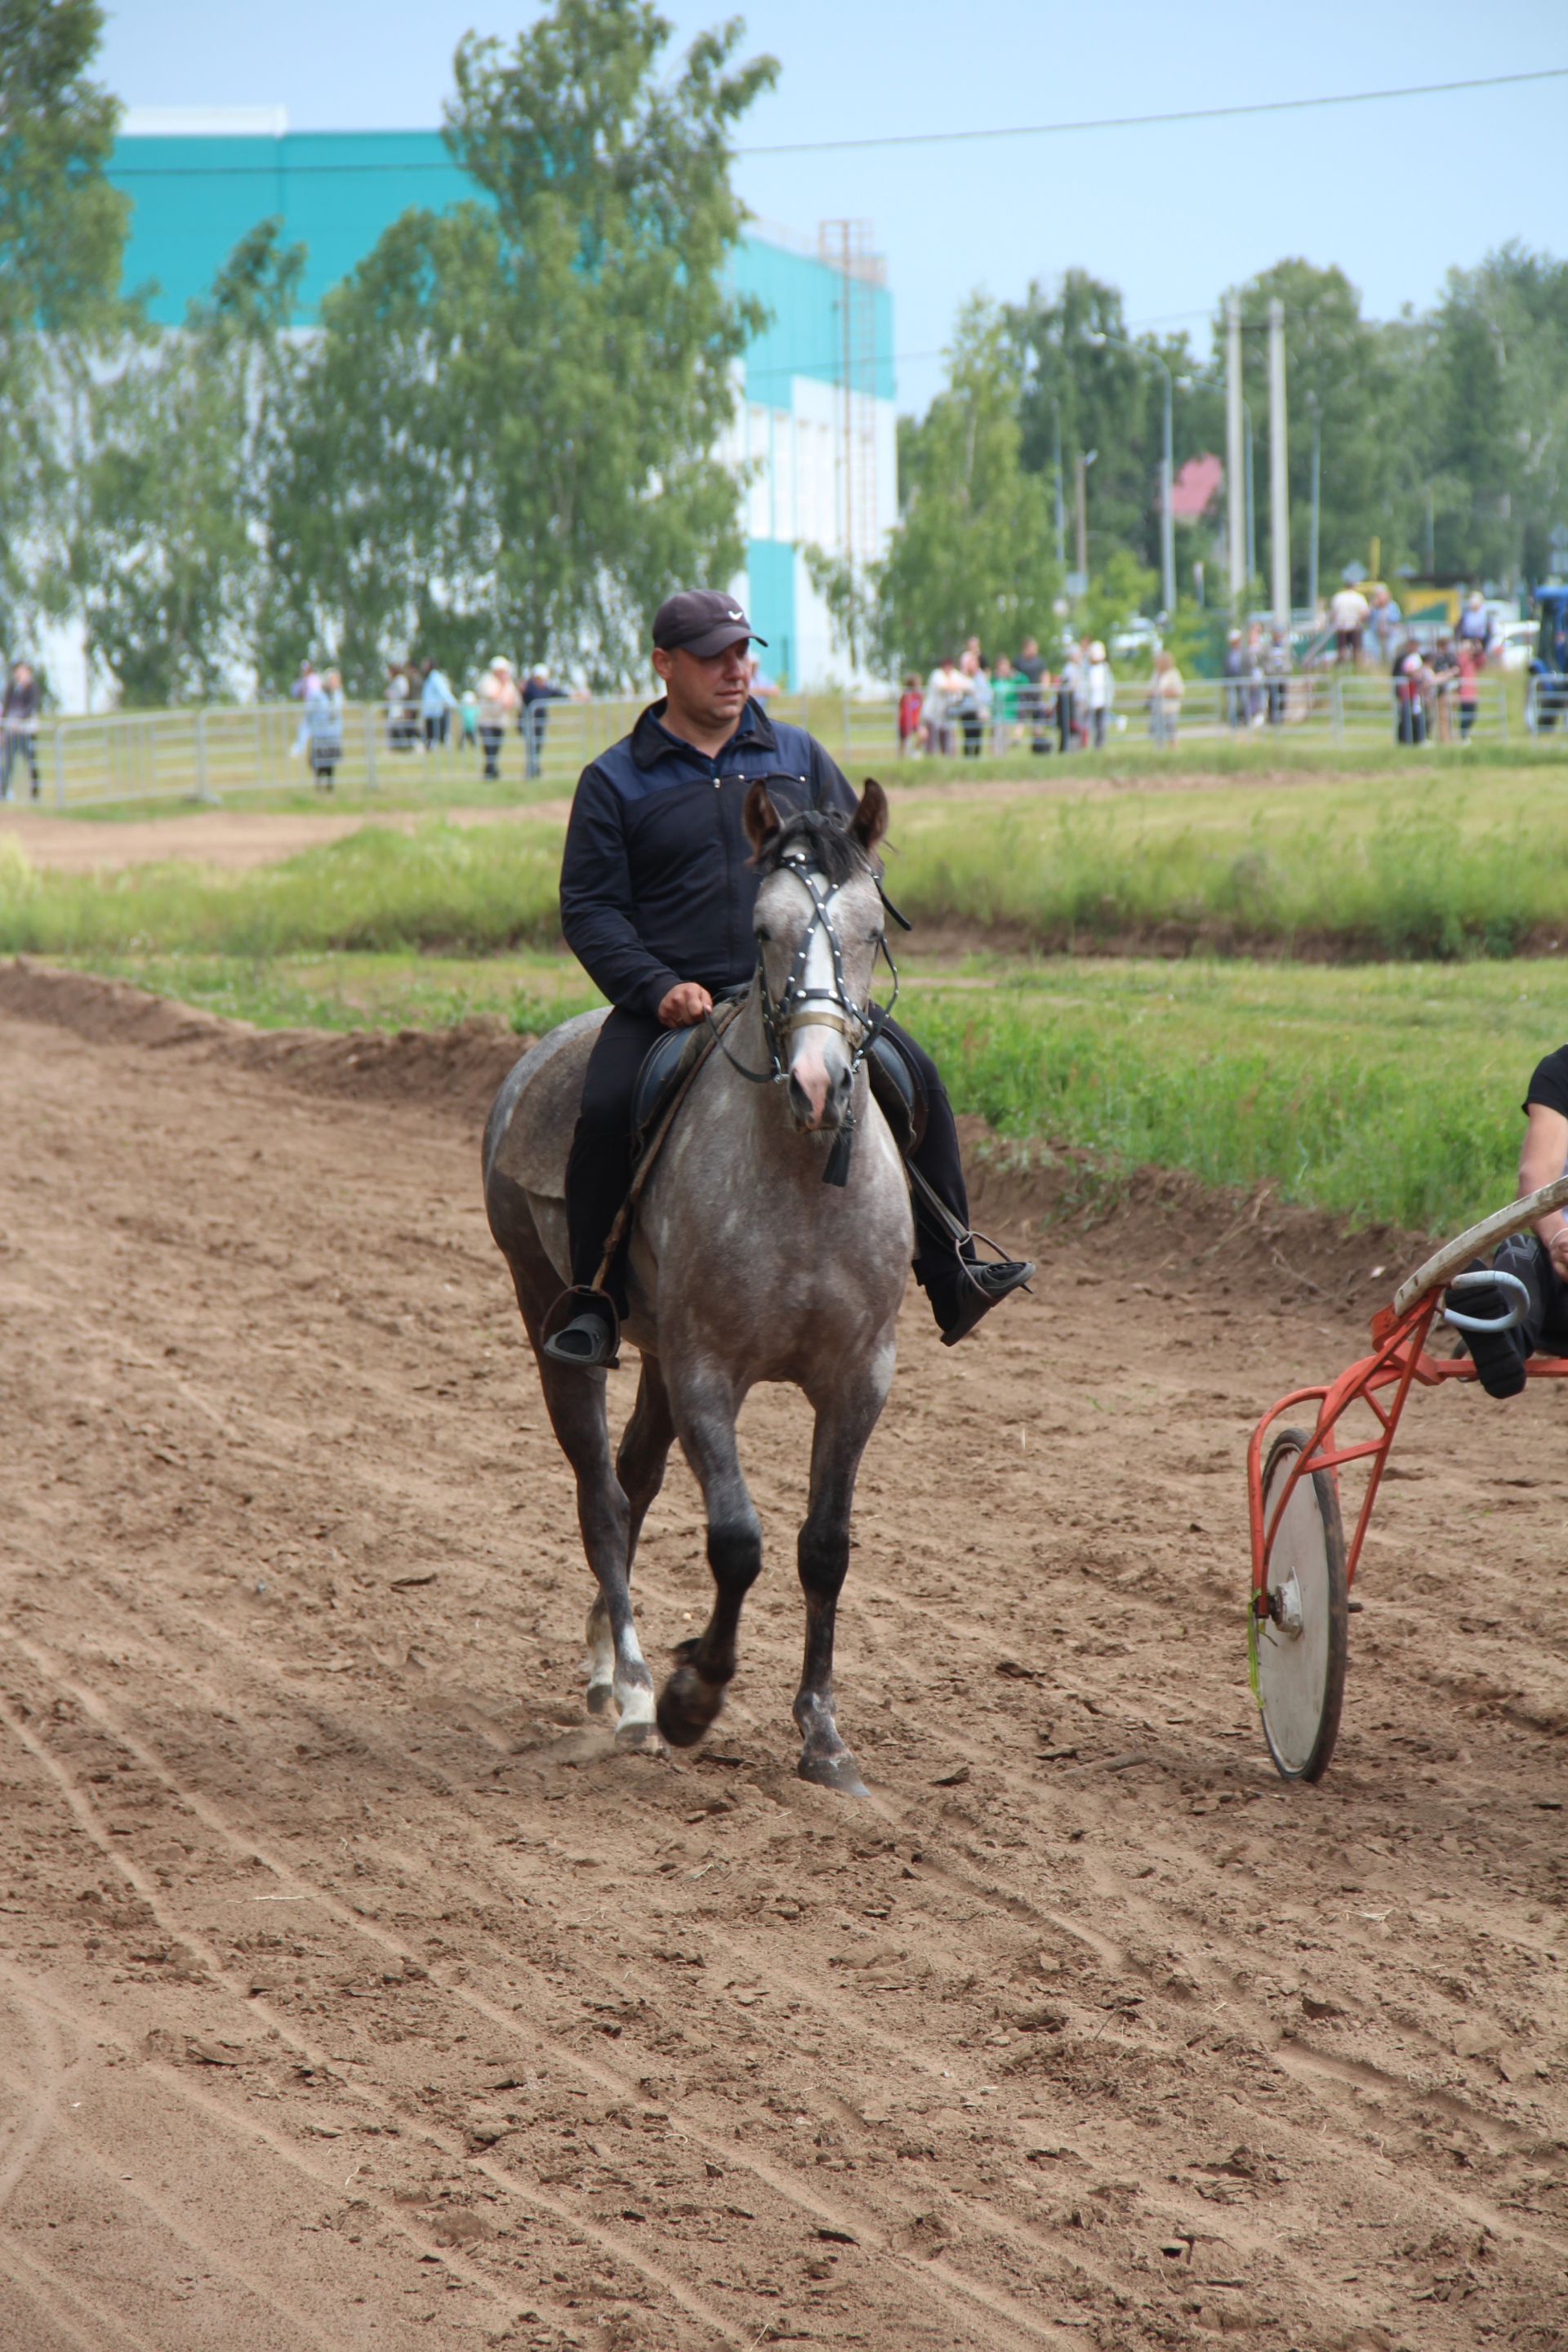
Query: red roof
(1196, 488)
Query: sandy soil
(229, 838)
(351, 1996)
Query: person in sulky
(656, 893)
(1539, 1257)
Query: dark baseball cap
(701, 622)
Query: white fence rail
(216, 752)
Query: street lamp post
(1317, 416)
(1251, 518)
(1167, 521)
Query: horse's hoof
(640, 1739)
(839, 1773)
(688, 1704)
(601, 1698)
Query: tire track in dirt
(87, 1819)
(1041, 2003)
(832, 2215)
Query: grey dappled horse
(745, 1266)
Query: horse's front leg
(846, 1417)
(705, 1407)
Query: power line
(293, 166)
(1149, 121)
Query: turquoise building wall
(194, 194)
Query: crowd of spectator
(422, 711)
(969, 704)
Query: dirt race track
(352, 1996)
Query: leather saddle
(894, 1084)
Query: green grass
(366, 989)
(1448, 866)
(1382, 1094)
(483, 888)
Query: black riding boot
(961, 1288)
(598, 1177)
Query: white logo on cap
(737, 616)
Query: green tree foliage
(510, 433)
(971, 553)
(172, 553)
(1492, 415)
(1354, 377)
(1089, 383)
(62, 232)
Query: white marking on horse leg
(600, 1661)
(633, 1684)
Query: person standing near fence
(1006, 684)
(1166, 687)
(1468, 666)
(1031, 698)
(1347, 609)
(437, 704)
(324, 729)
(1235, 675)
(1100, 693)
(1070, 694)
(500, 704)
(539, 688)
(944, 691)
(19, 726)
(1277, 675)
(911, 735)
(1476, 625)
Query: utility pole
(1167, 520)
(1061, 502)
(1278, 468)
(1235, 458)
(1313, 403)
(1082, 515)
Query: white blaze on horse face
(818, 1062)
(819, 1055)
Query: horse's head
(819, 922)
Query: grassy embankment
(1382, 1091)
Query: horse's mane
(825, 837)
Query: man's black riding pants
(599, 1169)
(1501, 1356)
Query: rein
(799, 1007)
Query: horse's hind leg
(705, 1411)
(843, 1424)
(645, 1449)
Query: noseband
(799, 1007)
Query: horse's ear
(870, 821)
(760, 818)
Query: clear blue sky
(1395, 193)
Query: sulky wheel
(1298, 1647)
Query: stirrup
(988, 1284)
(582, 1330)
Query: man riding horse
(657, 889)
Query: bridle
(799, 1007)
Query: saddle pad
(530, 1125)
(897, 1093)
(664, 1066)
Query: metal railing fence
(216, 752)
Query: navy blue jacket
(657, 883)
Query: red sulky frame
(1381, 1381)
